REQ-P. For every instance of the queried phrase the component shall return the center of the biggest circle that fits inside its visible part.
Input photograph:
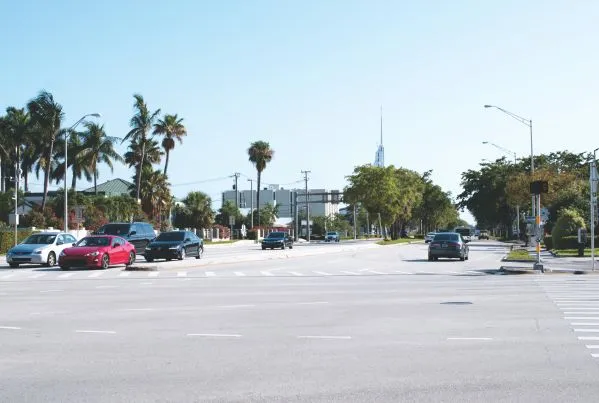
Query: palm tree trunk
(26, 181)
(95, 183)
(141, 165)
(166, 163)
(74, 180)
(47, 177)
(258, 197)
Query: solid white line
(350, 272)
(470, 338)
(584, 324)
(266, 273)
(7, 276)
(322, 273)
(213, 335)
(581, 303)
(96, 274)
(239, 274)
(588, 338)
(107, 286)
(38, 275)
(581, 317)
(146, 283)
(595, 355)
(153, 274)
(407, 272)
(295, 273)
(139, 309)
(96, 331)
(587, 330)
(210, 274)
(124, 274)
(311, 303)
(236, 306)
(375, 272)
(10, 328)
(66, 275)
(51, 291)
(592, 345)
(181, 274)
(581, 313)
(580, 308)
(326, 337)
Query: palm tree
(98, 148)
(199, 210)
(46, 116)
(141, 124)
(14, 130)
(155, 193)
(79, 166)
(171, 128)
(260, 155)
(152, 155)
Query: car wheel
(200, 252)
(105, 262)
(181, 254)
(436, 258)
(149, 259)
(283, 246)
(430, 258)
(13, 265)
(290, 246)
(462, 258)
(263, 248)
(51, 260)
(131, 259)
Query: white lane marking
(7, 276)
(153, 274)
(124, 274)
(579, 308)
(322, 273)
(295, 273)
(213, 335)
(44, 291)
(577, 304)
(96, 274)
(311, 303)
(236, 306)
(470, 338)
(587, 330)
(210, 274)
(107, 286)
(350, 273)
(595, 355)
(139, 309)
(181, 274)
(592, 346)
(239, 274)
(66, 275)
(96, 331)
(38, 275)
(266, 273)
(10, 328)
(407, 272)
(375, 272)
(581, 313)
(594, 338)
(584, 324)
(581, 317)
(326, 337)
(146, 283)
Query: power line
(222, 178)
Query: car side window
(115, 241)
(149, 230)
(60, 240)
(69, 239)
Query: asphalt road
(451, 333)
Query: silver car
(429, 237)
(42, 248)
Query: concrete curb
(401, 243)
(141, 268)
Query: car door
(196, 244)
(135, 238)
(188, 244)
(117, 251)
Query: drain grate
(456, 303)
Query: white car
(429, 237)
(42, 248)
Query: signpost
(231, 223)
(537, 188)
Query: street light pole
(66, 167)
(593, 180)
(251, 181)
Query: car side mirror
(187, 239)
(74, 244)
(133, 233)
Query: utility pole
(593, 178)
(236, 175)
(307, 205)
(251, 181)
(355, 223)
(16, 193)
(296, 218)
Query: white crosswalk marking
(153, 274)
(38, 275)
(239, 274)
(181, 274)
(266, 273)
(66, 275)
(295, 273)
(322, 273)
(124, 274)
(210, 274)
(96, 274)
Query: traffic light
(538, 187)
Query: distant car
(429, 237)
(175, 245)
(332, 236)
(404, 233)
(483, 235)
(139, 234)
(277, 239)
(448, 245)
(42, 248)
(100, 251)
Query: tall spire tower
(379, 158)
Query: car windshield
(40, 239)
(94, 241)
(331, 233)
(114, 229)
(447, 237)
(463, 231)
(276, 235)
(170, 236)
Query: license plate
(444, 245)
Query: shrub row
(7, 238)
(567, 242)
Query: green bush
(419, 236)
(548, 241)
(252, 234)
(569, 242)
(7, 238)
(566, 226)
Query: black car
(139, 234)
(448, 244)
(277, 239)
(175, 245)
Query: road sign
(13, 219)
(538, 187)
(231, 220)
(530, 219)
(78, 214)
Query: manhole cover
(456, 303)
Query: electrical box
(582, 235)
(13, 219)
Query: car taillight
(434, 244)
(454, 244)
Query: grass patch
(519, 254)
(395, 241)
(574, 252)
(220, 242)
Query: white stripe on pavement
(124, 274)
(38, 275)
(594, 338)
(322, 273)
(96, 331)
(295, 273)
(587, 330)
(212, 335)
(66, 275)
(326, 337)
(96, 274)
(153, 274)
(10, 328)
(266, 273)
(350, 273)
(181, 274)
(210, 274)
(584, 324)
(239, 274)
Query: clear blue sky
(310, 76)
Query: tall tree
(14, 130)
(227, 210)
(79, 167)
(172, 129)
(155, 194)
(197, 212)
(152, 155)
(46, 117)
(98, 148)
(141, 124)
(260, 154)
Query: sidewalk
(554, 264)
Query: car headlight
(96, 253)
(174, 247)
(37, 252)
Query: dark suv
(277, 239)
(140, 234)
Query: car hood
(164, 243)
(28, 247)
(84, 250)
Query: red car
(97, 252)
